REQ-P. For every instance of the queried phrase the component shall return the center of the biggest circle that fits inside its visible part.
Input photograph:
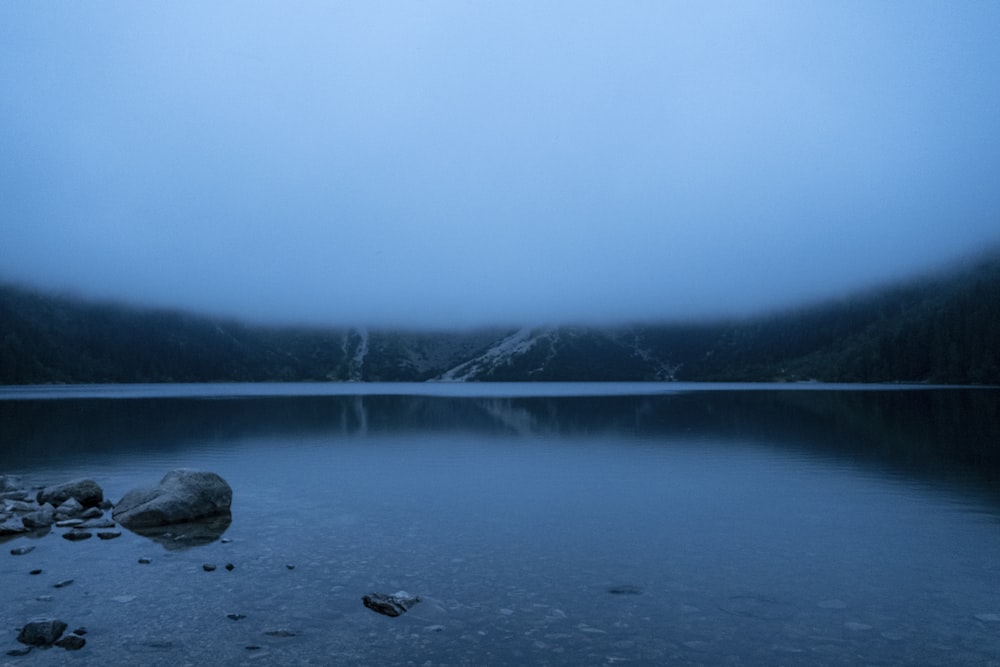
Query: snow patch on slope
(355, 366)
(517, 343)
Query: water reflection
(186, 535)
(713, 527)
(925, 433)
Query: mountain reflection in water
(674, 525)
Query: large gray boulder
(182, 495)
(86, 491)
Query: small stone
(36, 571)
(41, 632)
(69, 523)
(109, 535)
(92, 513)
(208, 567)
(625, 590)
(20, 551)
(12, 527)
(145, 561)
(236, 617)
(80, 631)
(290, 566)
(226, 540)
(252, 647)
(62, 584)
(71, 642)
(77, 535)
(390, 605)
(69, 508)
(281, 633)
(21, 506)
(230, 567)
(83, 492)
(43, 518)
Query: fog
(460, 163)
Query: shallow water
(547, 524)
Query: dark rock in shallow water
(41, 632)
(390, 605)
(86, 491)
(281, 633)
(625, 590)
(62, 584)
(71, 642)
(68, 509)
(20, 551)
(109, 535)
(208, 567)
(77, 535)
(21, 506)
(42, 518)
(12, 527)
(182, 495)
(236, 617)
(37, 571)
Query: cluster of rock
(198, 500)
(182, 496)
(49, 632)
(78, 505)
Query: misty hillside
(944, 328)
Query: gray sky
(460, 163)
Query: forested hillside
(941, 328)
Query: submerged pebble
(77, 535)
(71, 642)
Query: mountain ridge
(944, 327)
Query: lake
(546, 524)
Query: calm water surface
(540, 524)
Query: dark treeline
(943, 328)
